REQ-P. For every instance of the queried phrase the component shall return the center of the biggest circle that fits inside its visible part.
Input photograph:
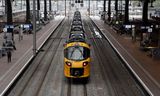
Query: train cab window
(77, 53)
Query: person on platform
(9, 55)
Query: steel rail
(146, 89)
(45, 72)
(6, 90)
(101, 65)
(99, 46)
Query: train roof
(77, 23)
(76, 28)
(76, 38)
(77, 33)
(77, 19)
(77, 12)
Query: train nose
(76, 71)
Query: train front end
(77, 60)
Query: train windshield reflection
(77, 53)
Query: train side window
(86, 53)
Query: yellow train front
(77, 60)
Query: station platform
(144, 67)
(23, 53)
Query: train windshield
(77, 53)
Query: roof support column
(145, 11)
(8, 11)
(89, 8)
(104, 10)
(38, 9)
(34, 28)
(65, 8)
(45, 10)
(126, 15)
(109, 10)
(116, 8)
(28, 18)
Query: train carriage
(77, 33)
(76, 22)
(76, 28)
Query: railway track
(115, 74)
(44, 76)
(76, 89)
(31, 82)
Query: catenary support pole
(65, 7)
(89, 9)
(104, 10)
(34, 28)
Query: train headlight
(69, 63)
(85, 63)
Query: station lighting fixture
(78, 1)
(139, 4)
